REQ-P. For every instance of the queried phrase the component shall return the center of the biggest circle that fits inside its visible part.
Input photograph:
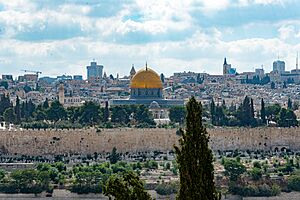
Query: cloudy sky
(63, 36)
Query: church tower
(61, 94)
(132, 72)
(226, 67)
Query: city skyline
(62, 37)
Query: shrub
(256, 174)
(167, 188)
(294, 182)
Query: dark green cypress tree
(106, 112)
(290, 103)
(18, 111)
(46, 104)
(263, 112)
(195, 158)
(213, 112)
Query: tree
(18, 111)
(272, 111)
(114, 157)
(56, 112)
(4, 84)
(9, 115)
(90, 113)
(106, 112)
(177, 114)
(4, 103)
(294, 182)
(119, 115)
(246, 112)
(143, 115)
(213, 112)
(263, 112)
(162, 77)
(126, 187)
(272, 85)
(46, 104)
(290, 104)
(195, 158)
(256, 173)
(287, 118)
(233, 169)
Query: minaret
(61, 94)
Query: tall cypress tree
(195, 158)
(263, 112)
(290, 103)
(213, 112)
(106, 112)
(18, 110)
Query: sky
(63, 36)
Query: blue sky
(63, 36)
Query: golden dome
(146, 78)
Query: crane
(36, 72)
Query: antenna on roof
(146, 66)
(297, 61)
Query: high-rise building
(279, 66)
(94, 71)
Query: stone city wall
(52, 142)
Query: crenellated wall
(50, 142)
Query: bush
(294, 182)
(257, 164)
(255, 191)
(167, 188)
(256, 174)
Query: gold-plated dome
(146, 78)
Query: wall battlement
(88, 141)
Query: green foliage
(256, 173)
(2, 174)
(177, 114)
(26, 181)
(246, 113)
(287, 118)
(9, 115)
(90, 113)
(56, 112)
(4, 103)
(4, 84)
(195, 159)
(167, 188)
(263, 112)
(294, 182)
(119, 115)
(151, 164)
(233, 169)
(143, 115)
(87, 182)
(114, 157)
(263, 190)
(126, 186)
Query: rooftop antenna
(297, 61)
(146, 66)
